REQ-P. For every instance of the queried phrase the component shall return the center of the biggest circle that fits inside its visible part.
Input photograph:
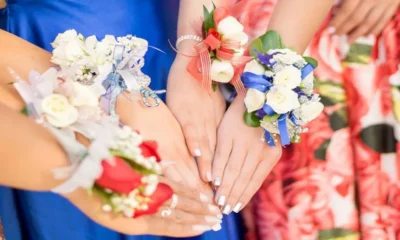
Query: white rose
(58, 111)
(241, 37)
(254, 100)
(65, 37)
(311, 110)
(69, 52)
(289, 77)
(82, 95)
(221, 71)
(229, 26)
(282, 99)
(287, 57)
(254, 67)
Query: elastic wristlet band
(188, 37)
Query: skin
(241, 162)
(22, 170)
(356, 18)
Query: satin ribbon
(200, 66)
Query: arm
(242, 160)
(3, 4)
(297, 21)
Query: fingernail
(208, 177)
(201, 228)
(197, 152)
(166, 163)
(227, 209)
(216, 227)
(237, 208)
(217, 181)
(331, 30)
(220, 216)
(214, 209)
(204, 198)
(212, 219)
(221, 200)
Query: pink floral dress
(343, 180)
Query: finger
(343, 13)
(231, 173)
(356, 18)
(243, 180)
(205, 161)
(373, 18)
(183, 217)
(222, 152)
(192, 137)
(163, 227)
(190, 200)
(384, 19)
(262, 171)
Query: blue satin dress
(46, 216)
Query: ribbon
(307, 70)
(268, 110)
(258, 82)
(269, 138)
(283, 131)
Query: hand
(198, 112)
(190, 217)
(357, 18)
(241, 161)
(160, 125)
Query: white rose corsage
(280, 96)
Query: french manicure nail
(204, 198)
(227, 209)
(212, 219)
(208, 177)
(197, 152)
(216, 227)
(213, 209)
(220, 216)
(237, 207)
(217, 181)
(201, 228)
(221, 200)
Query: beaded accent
(188, 37)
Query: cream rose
(82, 95)
(222, 71)
(241, 37)
(282, 99)
(254, 67)
(254, 100)
(229, 26)
(58, 111)
(311, 110)
(65, 37)
(289, 77)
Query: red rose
(149, 149)
(213, 32)
(119, 177)
(227, 50)
(162, 194)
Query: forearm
(297, 21)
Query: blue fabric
(45, 216)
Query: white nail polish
(213, 209)
(221, 200)
(216, 227)
(204, 198)
(220, 216)
(197, 152)
(208, 176)
(217, 181)
(237, 208)
(212, 219)
(201, 228)
(227, 209)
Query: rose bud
(149, 149)
(119, 177)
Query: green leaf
(256, 46)
(251, 119)
(272, 40)
(214, 86)
(24, 111)
(137, 167)
(336, 233)
(208, 20)
(338, 119)
(311, 61)
(320, 153)
(271, 118)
